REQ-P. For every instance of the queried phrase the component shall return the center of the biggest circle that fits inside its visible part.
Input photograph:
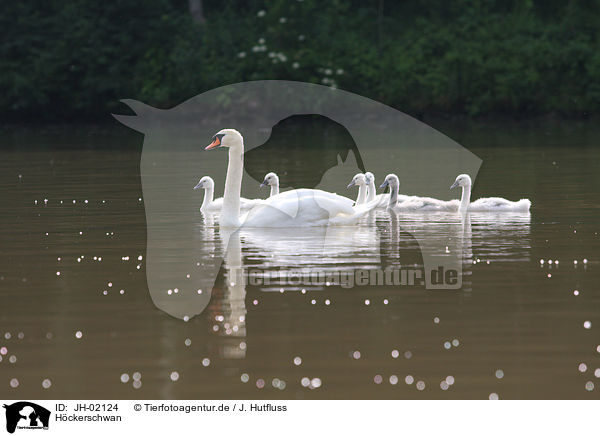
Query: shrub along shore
(75, 59)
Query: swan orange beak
(216, 142)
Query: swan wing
(359, 211)
(298, 208)
(497, 204)
(384, 199)
(415, 203)
(335, 204)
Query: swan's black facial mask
(217, 140)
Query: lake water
(77, 320)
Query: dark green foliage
(74, 58)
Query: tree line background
(74, 59)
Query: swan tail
(346, 220)
(523, 205)
(358, 212)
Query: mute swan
(295, 208)
(272, 180)
(360, 181)
(210, 205)
(414, 203)
(490, 204)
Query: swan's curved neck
(371, 191)
(230, 212)
(274, 189)
(465, 199)
(362, 194)
(208, 197)
(393, 197)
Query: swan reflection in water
(442, 239)
(504, 236)
(377, 241)
(290, 252)
(498, 236)
(305, 258)
(229, 311)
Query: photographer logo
(24, 415)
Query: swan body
(415, 203)
(303, 208)
(214, 205)
(489, 204)
(272, 180)
(360, 181)
(426, 204)
(497, 204)
(295, 208)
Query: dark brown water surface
(515, 329)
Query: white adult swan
(414, 203)
(272, 180)
(360, 181)
(210, 205)
(295, 208)
(490, 204)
